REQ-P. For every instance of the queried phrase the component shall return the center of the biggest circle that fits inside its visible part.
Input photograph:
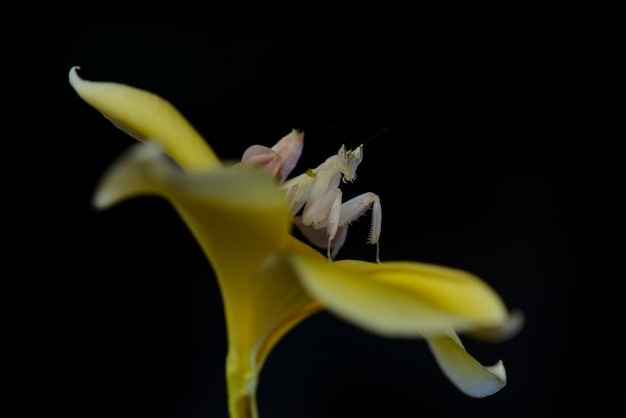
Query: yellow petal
(271, 305)
(145, 115)
(239, 216)
(281, 301)
(463, 370)
(401, 299)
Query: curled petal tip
(464, 371)
(141, 170)
(73, 75)
(498, 371)
(144, 115)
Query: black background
(503, 158)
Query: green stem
(243, 407)
(241, 384)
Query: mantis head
(349, 161)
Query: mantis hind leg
(319, 237)
(324, 213)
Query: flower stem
(243, 407)
(241, 383)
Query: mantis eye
(357, 154)
(342, 154)
(354, 158)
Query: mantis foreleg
(325, 214)
(356, 207)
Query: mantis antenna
(347, 140)
(376, 135)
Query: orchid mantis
(324, 219)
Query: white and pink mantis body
(325, 219)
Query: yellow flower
(271, 281)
